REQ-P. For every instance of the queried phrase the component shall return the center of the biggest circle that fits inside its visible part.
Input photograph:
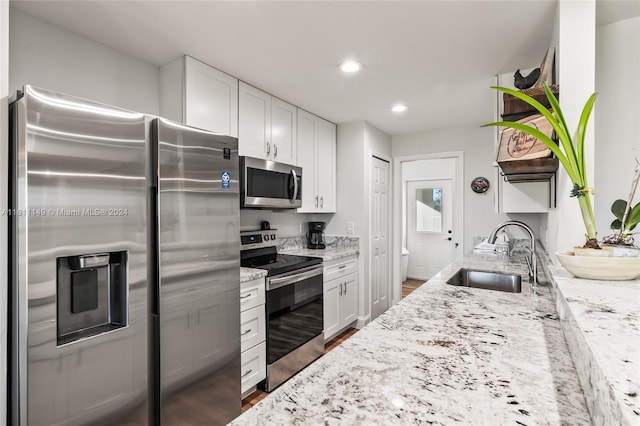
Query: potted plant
(569, 152)
(626, 219)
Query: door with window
(430, 231)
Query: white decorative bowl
(600, 268)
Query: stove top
(258, 250)
(276, 264)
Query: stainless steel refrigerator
(125, 267)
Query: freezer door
(79, 290)
(199, 274)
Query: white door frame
(389, 159)
(398, 220)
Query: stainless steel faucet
(531, 264)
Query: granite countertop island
(443, 355)
(601, 321)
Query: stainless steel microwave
(269, 185)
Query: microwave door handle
(295, 186)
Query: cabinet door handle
(321, 202)
(268, 148)
(316, 198)
(245, 296)
(245, 332)
(246, 373)
(340, 289)
(345, 288)
(275, 150)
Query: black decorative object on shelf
(480, 185)
(525, 82)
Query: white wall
(54, 58)
(4, 97)
(287, 222)
(617, 123)
(477, 145)
(355, 144)
(576, 68)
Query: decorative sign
(225, 179)
(518, 145)
(480, 185)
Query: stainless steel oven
(294, 305)
(295, 323)
(268, 184)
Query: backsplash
(331, 242)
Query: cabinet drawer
(340, 268)
(254, 366)
(251, 294)
(252, 327)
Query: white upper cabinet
(317, 157)
(211, 98)
(199, 95)
(267, 126)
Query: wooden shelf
(536, 170)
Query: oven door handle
(297, 276)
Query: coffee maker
(315, 236)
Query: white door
(429, 227)
(379, 257)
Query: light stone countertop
(248, 274)
(443, 355)
(601, 320)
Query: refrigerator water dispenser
(91, 295)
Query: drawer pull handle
(246, 373)
(342, 267)
(245, 296)
(245, 332)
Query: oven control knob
(266, 237)
(273, 236)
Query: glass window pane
(429, 210)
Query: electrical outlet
(350, 228)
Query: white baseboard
(362, 321)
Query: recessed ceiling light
(350, 66)
(399, 108)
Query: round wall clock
(480, 185)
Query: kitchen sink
(488, 280)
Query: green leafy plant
(618, 209)
(570, 150)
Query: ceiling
(437, 57)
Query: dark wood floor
(257, 396)
(409, 286)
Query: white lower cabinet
(254, 366)
(340, 295)
(252, 334)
